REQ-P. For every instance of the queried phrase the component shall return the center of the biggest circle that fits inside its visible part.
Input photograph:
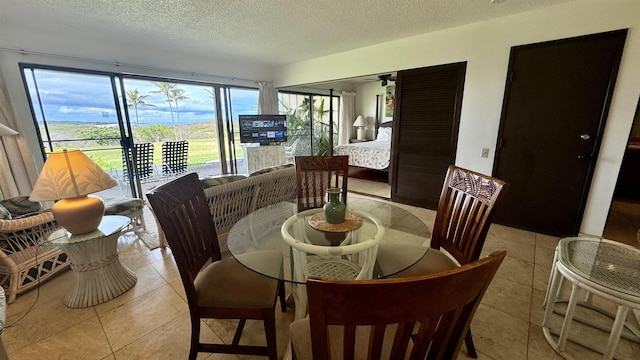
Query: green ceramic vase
(334, 209)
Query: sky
(88, 98)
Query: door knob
(585, 156)
(585, 136)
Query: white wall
(485, 47)
(366, 104)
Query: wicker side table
(98, 275)
(604, 268)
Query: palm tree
(322, 132)
(178, 94)
(134, 99)
(166, 89)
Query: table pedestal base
(98, 275)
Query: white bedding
(374, 154)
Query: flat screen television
(263, 129)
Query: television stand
(260, 157)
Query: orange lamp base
(79, 215)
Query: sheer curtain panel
(267, 98)
(17, 168)
(347, 116)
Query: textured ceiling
(267, 32)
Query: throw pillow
(219, 180)
(20, 206)
(270, 169)
(4, 213)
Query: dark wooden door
(425, 132)
(556, 103)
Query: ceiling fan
(385, 78)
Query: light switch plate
(485, 153)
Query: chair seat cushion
(228, 284)
(20, 206)
(4, 213)
(300, 332)
(434, 261)
(271, 169)
(121, 205)
(219, 180)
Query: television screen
(263, 129)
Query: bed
(374, 154)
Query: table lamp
(69, 176)
(360, 124)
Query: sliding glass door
(113, 117)
(308, 119)
(124, 121)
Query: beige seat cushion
(229, 284)
(434, 261)
(300, 333)
(20, 206)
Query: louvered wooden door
(425, 132)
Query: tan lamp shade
(69, 176)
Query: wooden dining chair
(314, 174)
(375, 319)
(465, 209)
(216, 288)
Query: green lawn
(203, 144)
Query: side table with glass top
(603, 268)
(98, 275)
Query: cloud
(89, 97)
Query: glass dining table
(257, 237)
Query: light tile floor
(151, 321)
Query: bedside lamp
(360, 124)
(69, 176)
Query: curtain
(267, 98)
(347, 116)
(17, 168)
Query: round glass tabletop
(257, 237)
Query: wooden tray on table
(351, 222)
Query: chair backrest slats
(443, 305)
(314, 174)
(183, 213)
(175, 157)
(464, 213)
(141, 155)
